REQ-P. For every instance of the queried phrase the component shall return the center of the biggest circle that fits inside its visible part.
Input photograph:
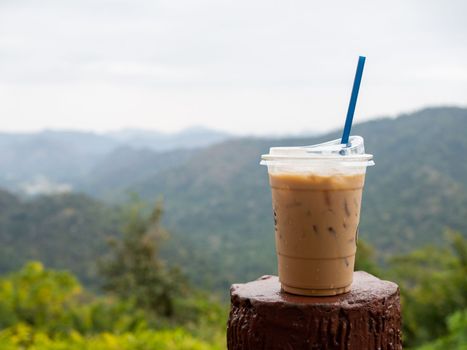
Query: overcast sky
(249, 67)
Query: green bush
(24, 337)
(456, 337)
(37, 296)
(54, 302)
(43, 309)
(433, 283)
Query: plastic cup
(316, 200)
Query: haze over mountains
(217, 199)
(57, 161)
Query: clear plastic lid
(351, 154)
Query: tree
(134, 270)
(433, 283)
(456, 337)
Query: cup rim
(337, 158)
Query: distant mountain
(111, 177)
(62, 157)
(54, 161)
(193, 137)
(218, 203)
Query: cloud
(140, 70)
(190, 52)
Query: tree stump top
(262, 316)
(365, 288)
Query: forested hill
(52, 161)
(67, 231)
(218, 205)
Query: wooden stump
(264, 317)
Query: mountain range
(218, 202)
(60, 161)
(218, 205)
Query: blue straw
(353, 100)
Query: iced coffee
(316, 199)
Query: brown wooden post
(264, 317)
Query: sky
(246, 67)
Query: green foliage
(134, 270)
(54, 301)
(202, 316)
(25, 338)
(37, 296)
(433, 283)
(44, 309)
(365, 258)
(456, 338)
(64, 231)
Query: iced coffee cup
(316, 200)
